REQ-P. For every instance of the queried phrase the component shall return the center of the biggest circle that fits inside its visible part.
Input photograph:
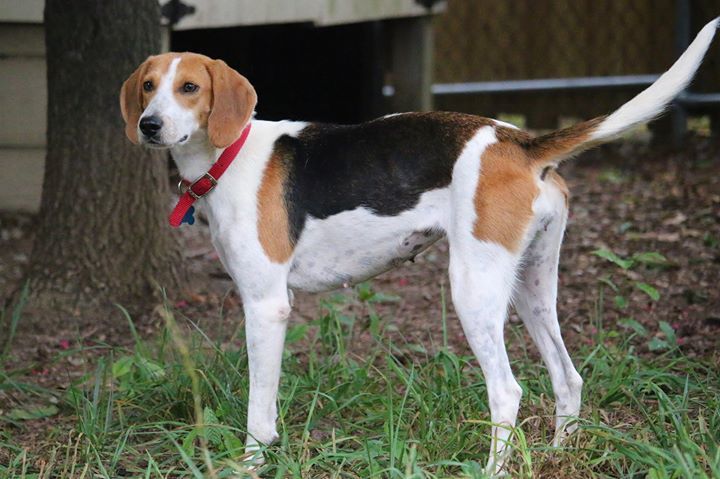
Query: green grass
(174, 406)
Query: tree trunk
(102, 231)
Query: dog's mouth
(156, 144)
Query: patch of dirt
(626, 197)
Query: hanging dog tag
(189, 218)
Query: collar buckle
(203, 188)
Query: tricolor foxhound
(313, 207)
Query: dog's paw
(253, 457)
(563, 430)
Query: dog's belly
(355, 245)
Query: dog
(314, 207)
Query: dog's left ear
(130, 106)
(234, 101)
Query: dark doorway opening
(302, 72)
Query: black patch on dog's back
(383, 165)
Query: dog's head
(174, 97)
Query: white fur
(482, 276)
(506, 124)
(652, 101)
(352, 246)
(535, 300)
(232, 212)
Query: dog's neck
(195, 157)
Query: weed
(623, 284)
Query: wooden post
(412, 63)
(715, 124)
(374, 104)
(672, 128)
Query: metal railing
(696, 101)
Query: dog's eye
(148, 86)
(189, 87)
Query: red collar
(206, 183)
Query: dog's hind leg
(482, 276)
(535, 301)
(491, 209)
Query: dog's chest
(355, 245)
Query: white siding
(25, 11)
(23, 104)
(23, 98)
(22, 176)
(226, 13)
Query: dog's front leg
(265, 325)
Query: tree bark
(102, 231)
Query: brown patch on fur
(552, 147)
(133, 98)
(513, 135)
(504, 195)
(555, 146)
(193, 68)
(233, 102)
(506, 188)
(273, 223)
(130, 102)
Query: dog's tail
(552, 148)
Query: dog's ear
(130, 102)
(234, 100)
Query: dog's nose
(150, 125)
